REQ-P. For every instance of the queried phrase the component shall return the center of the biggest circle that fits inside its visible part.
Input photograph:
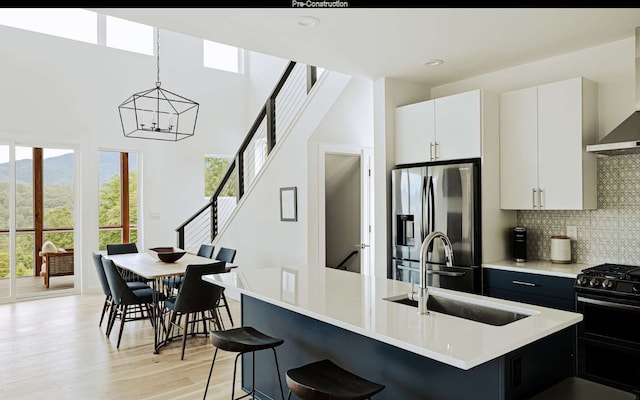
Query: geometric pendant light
(157, 113)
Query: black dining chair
(104, 284)
(173, 283)
(228, 255)
(121, 248)
(125, 248)
(196, 298)
(127, 300)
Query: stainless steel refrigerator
(438, 196)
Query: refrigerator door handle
(423, 198)
(446, 273)
(432, 206)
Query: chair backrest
(102, 277)
(206, 250)
(195, 294)
(121, 248)
(226, 254)
(121, 292)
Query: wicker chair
(57, 264)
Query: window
(70, 23)
(214, 169)
(82, 25)
(118, 198)
(131, 36)
(221, 56)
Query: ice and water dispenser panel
(405, 230)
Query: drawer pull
(524, 283)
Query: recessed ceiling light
(434, 62)
(307, 21)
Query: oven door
(608, 342)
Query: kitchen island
(327, 313)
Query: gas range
(610, 280)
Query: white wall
(347, 127)
(388, 94)
(612, 65)
(263, 71)
(262, 240)
(60, 92)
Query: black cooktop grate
(615, 271)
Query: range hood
(625, 138)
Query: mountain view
(57, 169)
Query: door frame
(366, 197)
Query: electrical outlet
(572, 232)
(154, 215)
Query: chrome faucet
(423, 292)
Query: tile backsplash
(610, 233)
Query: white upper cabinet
(415, 132)
(446, 128)
(544, 131)
(458, 126)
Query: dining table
(154, 271)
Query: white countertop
(355, 302)
(542, 267)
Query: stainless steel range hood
(625, 138)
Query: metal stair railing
(287, 97)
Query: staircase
(273, 121)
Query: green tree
(214, 170)
(109, 209)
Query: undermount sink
(463, 309)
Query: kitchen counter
(356, 303)
(542, 267)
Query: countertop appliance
(608, 296)
(437, 196)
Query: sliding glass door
(37, 192)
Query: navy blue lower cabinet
(517, 375)
(542, 290)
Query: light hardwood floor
(54, 349)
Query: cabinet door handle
(524, 283)
(533, 197)
(437, 150)
(540, 203)
(431, 146)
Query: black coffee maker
(519, 244)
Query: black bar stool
(243, 340)
(324, 380)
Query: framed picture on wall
(288, 204)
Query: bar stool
(242, 340)
(324, 380)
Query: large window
(118, 198)
(131, 36)
(70, 23)
(221, 56)
(82, 25)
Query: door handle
(540, 204)
(362, 245)
(533, 197)
(431, 146)
(437, 146)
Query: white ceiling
(395, 42)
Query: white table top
(541, 267)
(355, 302)
(148, 266)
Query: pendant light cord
(158, 55)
